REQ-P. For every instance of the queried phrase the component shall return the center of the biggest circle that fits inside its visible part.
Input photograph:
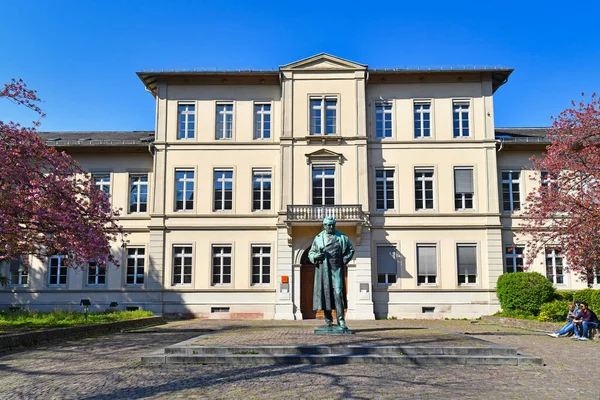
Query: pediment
(321, 62)
(324, 155)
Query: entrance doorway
(307, 284)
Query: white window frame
(102, 181)
(467, 283)
(187, 181)
(260, 133)
(552, 254)
(419, 173)
(386, 181)
(93, 279)
(138, 185)
(183, 116)
(464, 195)
(512, 182)
(427, 281)
(262, 176)
(510, 253)
(388, 278)
(420, 112)
(179, 258)
(261, 256)
(461, 112)
(61, 270)
(323, 177)
(136, 257)
(322, 110)
(221, 131)
(21, 276)
(223, 180)
(221, 255)
(383, 112)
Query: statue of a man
(330, 252)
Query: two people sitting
(579, 321)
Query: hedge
(524, 292)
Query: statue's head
(329, 224)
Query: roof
(524, 135)
(98, 138)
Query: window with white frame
(19, 273)
(138, 193)
(387, 264)
(182, 265)
(554, 265)
(323, 115)
(96, 275)
(513, 258)
(184, 190)
(422, 116)
(466, 255)
(383, 120)
(460, 112)
(136, 261)
(426, 264)
(187, 121)
(221, 265)
(463, 188)
(262, 121)
(261, 265)
(102, 181)
(261, 189)
(223, 192)
(323, 185)
(511, 190)
(224, 127)
(423, 189)
(57, 271)
(384, 189)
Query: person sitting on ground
(588, 319)
(569, 326)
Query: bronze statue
(330, 252)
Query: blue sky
(82, 56)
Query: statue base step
(332, 330)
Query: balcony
(310, 213)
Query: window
(261, 265)
(383, 120)
(463, 188)
(138, 197)
(223, 190)
(511, 199)
(221, 265)
(467, 264)
(96, 276)
(423, 189)
(182, 265)
(57, 271)
(224, 121)
(460, 111)
(554, 265)
(387, 264)
(136, 259)
(184, 190)
(19, 273)
(384, 189)
(186, 121)
(102, 182)
(262, 121)
(261, 189)
(422, 116)
(513, 258)
(426, 264)
(323, 185)
(323, 115)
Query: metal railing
(343, 212)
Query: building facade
(223, 199)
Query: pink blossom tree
(48, 204)
(565, 210)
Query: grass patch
(20, 321)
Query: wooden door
(307, 283)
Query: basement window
(426, 310)
(219, 309)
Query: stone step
(271, 359)
(347, 350)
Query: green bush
(524, 292)
(590, 296)
(564, 295)
(555, 311)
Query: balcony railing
(346, 212)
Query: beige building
(224, 198)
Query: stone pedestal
(332, 330)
